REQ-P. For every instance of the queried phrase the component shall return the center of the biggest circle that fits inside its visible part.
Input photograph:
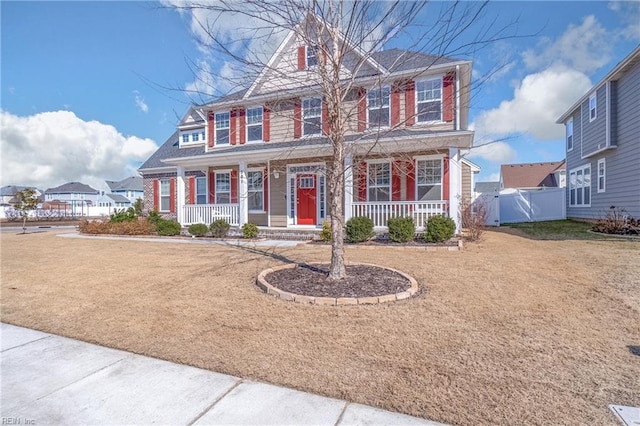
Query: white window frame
(593, 106)
(195, 137)
(381, 90)
(376, 186)
(218, 128)
(569, 132)
(215, 182)
(579, 189)
(261, 191)
(417, 103)
(309, 53)
(206, 192)
(305, 117)
(417, 182)
(247, 126)
(185, 138)
(166, 196)
(602, 175)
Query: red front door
(306, 199)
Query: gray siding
(594, 132)
(574, 159)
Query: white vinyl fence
(533, 206)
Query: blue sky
(86, 86)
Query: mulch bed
(361, 281)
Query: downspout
(457, 97)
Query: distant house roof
(132, 183)
(72, 187)
(118, 198)
(530, 175)
(5, 191)
(484, 187)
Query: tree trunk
(24, 224)
(335, 184)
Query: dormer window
(378, 107)
(223, 122)
(312, 60)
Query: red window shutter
(362, 109)
(265, 185)
(302, 58)
(325, 118)
(297, 119)
(172, 195)
(156, 194)
(411, 180)
(232, 126)
(212, 187)
(410, 103)
(445, 178)
(212, 129)
(243, 125)
(447, 97)
(395, 105)
(362, 181)
(266, 124)
(192, 190)
(396, 176)
(234, 186)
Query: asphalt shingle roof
(530, 175)
(75, 187)
(132, 183)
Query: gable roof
(484, 187)
(396, 60)
(118, 198)
(530, 175)
(132, 183)
(621, 69)
(72, 187)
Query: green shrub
(359, 229)
(198, 229)
(249, 230)
(168, 228)
(401, 229)
(154, 217)
(325, 234)
(220, 228)
(128, 215)
(439, 229)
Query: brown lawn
(508, 331)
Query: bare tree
(343, 35)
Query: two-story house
(260, 154)
(603, 144)
(77, 195)
(129, 188)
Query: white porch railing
(381, 211)
(209, 213)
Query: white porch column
(455, 186)
(180, 195)
(348, 186)
(243, 193)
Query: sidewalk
(48, 379)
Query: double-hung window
(312, 116)
(195, 137)
(379, 179)
(223, 122)
(165, 195)
(201, 190)
(223, 188)
(378, 107)
(312, 60)
(429, 100)
(570, 135)
(254, 124)
(593, 107)
(602, 172)
(185, 138)
(580, 186)
(255, 182)
(429, 179)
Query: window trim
(206, 189)
(389, 186)
(603, 176)
(312, 135)
(567, 126)
(422, 80)
(167, 196)
(247, 125)
(594, 97)
(380, 88)
(215, 182)
(217, 128)
(573, 172)
(425, 158)
(255, 170)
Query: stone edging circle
(334, 301)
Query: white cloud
(496, 152)
(537, 103)
(140, 103)
(629, 12)
(585, 47)
(50, 148)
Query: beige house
(260, 155)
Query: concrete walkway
(48, 379)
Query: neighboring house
(490, 187)
(130, 188)
(533, 176)
(114, 200)
(259, 155)
(603, 144)
(77, 194)
(8, 194)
